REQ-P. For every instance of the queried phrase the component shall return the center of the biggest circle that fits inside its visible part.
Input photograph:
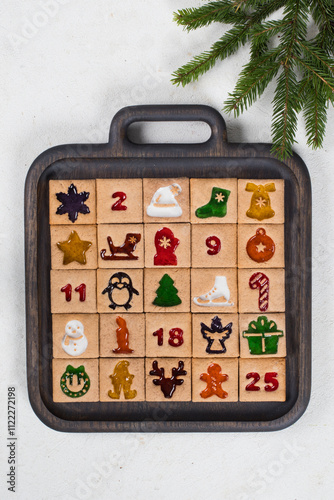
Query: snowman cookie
(74, 341)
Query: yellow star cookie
(74, 249)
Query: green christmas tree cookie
(166, 293)
(217, 206)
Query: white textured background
(67, 66)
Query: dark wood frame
(122, 158)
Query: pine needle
(279, 49)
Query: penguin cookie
(120, 290)
(74, 341)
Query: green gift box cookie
(262, 336)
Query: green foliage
(279, 49)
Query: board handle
(122, 146)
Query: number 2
(251, 386)
(118, 204)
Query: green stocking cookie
(217, 206)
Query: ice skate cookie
(218, 296)
(214, 289)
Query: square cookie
(167, 291)
(214, 380)
(119, 201)
(261, 200)
(120, 290)
(166, 200)
(168, 335)
(262, 379)
(120, 245)
(167, 245)
(260, 246)
(215, 335)
(85, 384)
(122, 379)
(261, 290)
(214, 245)
(73, 247)
(122, 335)
(75, 335)
(214, 290)
(73, 291)
(213, 201)
(166, 390)
(75, 204)
(262, 336)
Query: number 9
(214, 245)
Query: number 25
(269, 378)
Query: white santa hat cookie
(164, 204)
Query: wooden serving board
(214, 159)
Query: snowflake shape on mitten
(72, 203)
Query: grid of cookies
(167, 289)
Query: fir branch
(284, 114)
(213, 12)
(315, 115)
(226, 46)
(200, 64)
(278, 48)
(312, 69)
(317, 53)
(252, 82)
(323, 15)
(261, 35)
